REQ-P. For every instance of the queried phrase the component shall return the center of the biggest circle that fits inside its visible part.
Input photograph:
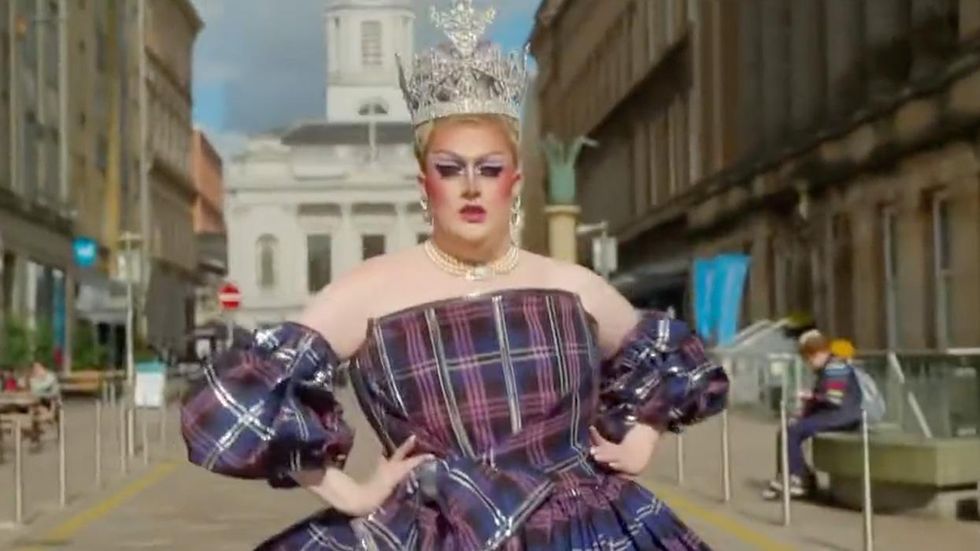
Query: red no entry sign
(229, 296)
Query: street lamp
(129, 269)
(604, 247)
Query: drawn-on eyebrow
(459, 158)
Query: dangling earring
(516, 220)
(426, 215)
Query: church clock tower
(363, 37)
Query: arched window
(265, 252)
(375, 106)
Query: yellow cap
(842, 348)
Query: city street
(173, 505)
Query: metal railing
(927, 393)
(108, 399)
(933, 394)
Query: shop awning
(653, 277)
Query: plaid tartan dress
(501, 388)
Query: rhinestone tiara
(465, 76)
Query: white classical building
(308, 204)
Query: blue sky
(259, 64)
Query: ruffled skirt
(613, 514)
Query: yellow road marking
(70, 527)
(724, 522)
(83, 518)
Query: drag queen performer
(516, 396)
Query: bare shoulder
(614, 314)
(340, 311)
(564, 275)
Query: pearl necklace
(472, 272)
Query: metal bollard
(18, 473)
(121, 437)
(112, 393)
(726, 465)
(144, 436)
(680, 460)
(130, 421)
(98, 443)
(784, 460)
(869, 537)
(62, 461)
(163, 428)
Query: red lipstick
(473, 214)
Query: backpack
(871, 399)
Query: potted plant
(87, 353)
(18, 338)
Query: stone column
(346, 242)
(969, 20)
(562, 240)
(844, 88)
(404, 234)
(933, 37)
(915, 286)
(868, 290)
(750, 76)
(806, 64)
(964, 212)
(774, 25)
(886, 21)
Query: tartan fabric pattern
(501, 389)
(661, 377)
(264, 412)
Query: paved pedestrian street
(170, 504)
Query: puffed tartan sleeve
(268, 409)
(661, 377)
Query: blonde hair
(423, 132)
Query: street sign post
(230, 298)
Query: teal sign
(86, 251)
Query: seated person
(44, 385)
(834, 404)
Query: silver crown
(465, 76)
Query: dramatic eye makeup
(490, 169)
(449, 166)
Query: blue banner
(731, 271)
(704, 269)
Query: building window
(942, 270)
(890, 248)
(266, 249)
(318, 261)
(372, 245)
(371, 43)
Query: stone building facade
(836, 143)
(169, 193)
(209, 226)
